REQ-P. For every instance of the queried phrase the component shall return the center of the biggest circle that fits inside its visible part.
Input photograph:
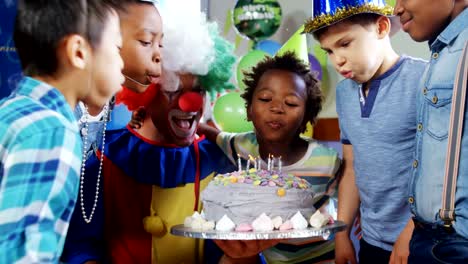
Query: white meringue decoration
(318, 219)
(197, 223)
(277, 222)
(208, 225)
(194, 221)
(298, 221)
(196, 215)
(262, 223)
(225, 224)
(188, 221)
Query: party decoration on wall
(230, 115)
(10, 67)
(315, 67)
(268, 46)
(297, 43)
(257, 19)
(246, 63)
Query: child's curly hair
(291, 63)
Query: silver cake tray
(310, 232)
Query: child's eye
(291, 104)
(264, 99)
(145, 43)
(345, 44)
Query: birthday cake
(257, 200)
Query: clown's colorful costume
(143, 178)
(139, 174)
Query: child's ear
(77, 51)
(383, 26)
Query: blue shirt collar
(390, 71)
(47, 95)
(451, 31)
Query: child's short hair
(41, 24)
(287, 62)
(363, 19)
(125, 3)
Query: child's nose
(398, 10)
(190, 102)
(157, 58)
(276, 108)
(340, 60)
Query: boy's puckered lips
(347, 74)
(154, 78)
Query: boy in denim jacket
(444, 23)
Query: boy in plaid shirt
(69, 51)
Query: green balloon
(257, 19)
(246, 63)
(230, 115)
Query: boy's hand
(400, 250)
(138, 116)
(344, 249)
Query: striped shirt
(40, 159)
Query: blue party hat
(329, 12)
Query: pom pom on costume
(154, 225)
(134, 100)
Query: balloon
(315, 66)
(230, 115)
(257, 19)
(246, 63)
(268, 46)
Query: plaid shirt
(40, 159)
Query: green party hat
(297, 44)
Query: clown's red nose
(190, 102)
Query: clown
(153, 176)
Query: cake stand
(310, 232)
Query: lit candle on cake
(279, 164)
(269, 162)
(239, 163)
(254, 162)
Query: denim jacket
(434, 102)
(95, 127)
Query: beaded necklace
(85, 143)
